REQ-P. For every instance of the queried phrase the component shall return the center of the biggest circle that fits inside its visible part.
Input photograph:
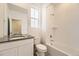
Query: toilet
(41, 49)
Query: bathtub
(53, 50)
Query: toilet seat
(41, 47)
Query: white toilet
(41, 49)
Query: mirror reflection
(16, 26)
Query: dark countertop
(5, 39)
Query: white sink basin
(16, 38)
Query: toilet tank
(37, 40)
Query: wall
(23, 5)
(47, 22)
(67, 33)
(66, 21)
(43, 23)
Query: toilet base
(40, 53)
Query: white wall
(66, 20)
(47, 22)
(43, 24)
(67, 33)
(23, 5)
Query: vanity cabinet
(17, 48)
(26, 49)
(9, 52)
(26, 52)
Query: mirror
(17, 19)
(16, 26)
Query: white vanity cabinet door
(9, 52)
(26, 49)
(17, 48)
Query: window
(35, 18)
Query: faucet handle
(52, 40)
(50, 36)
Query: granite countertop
(6, 39)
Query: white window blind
(35, 18)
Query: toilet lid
(42, 47)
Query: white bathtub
(53, 50)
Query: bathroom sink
(16, 38)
